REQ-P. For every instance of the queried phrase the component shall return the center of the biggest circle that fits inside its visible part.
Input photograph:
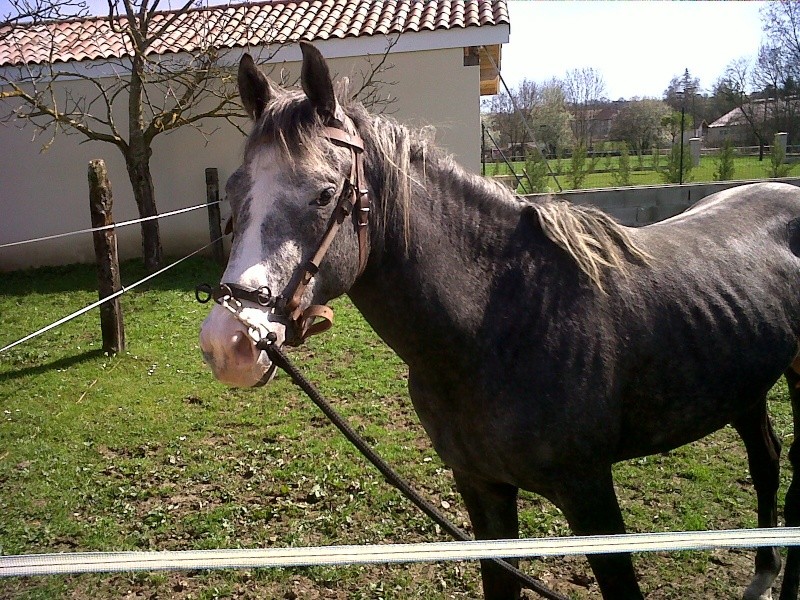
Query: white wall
(47, 193)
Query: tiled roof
(244, 25)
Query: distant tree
(507, 115)
(655, 156)
(772, 76)
(721, 101)
(671, 124)
(682, 92)
(679, 166)
(725, 164)
(536, 173)
(639, 124)
(673, 93)
(584, 90)
(622, 176)
(578, 169)
(550, 119)
(777, 167)
(780, 23)
(765, 89)
(736, 84)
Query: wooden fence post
(214, 226)
(105, 249)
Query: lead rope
(278, 357)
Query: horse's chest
(498, 438)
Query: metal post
(680, 165)
(483, 149)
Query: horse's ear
(254, 88)
(316, 81)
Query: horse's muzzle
(230, 351)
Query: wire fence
(123, 289)
(109, 298)
(112, 226)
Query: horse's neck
(454, 211)
(433, 279)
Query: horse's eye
(325, 197)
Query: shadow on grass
(77, 277)
(61, 363)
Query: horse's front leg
(492, 510)
(590, 505)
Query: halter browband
(318, 317)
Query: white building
(438, 53)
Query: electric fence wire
(112, 226)
(116, 294)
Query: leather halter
(355, 196)
(316, 318)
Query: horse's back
(747, 231)
(763, 202)
(717, 315)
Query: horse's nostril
(243, 348)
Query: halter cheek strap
(316, 318)
(355, 196)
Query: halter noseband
(318, 317)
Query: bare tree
(507, 114)
(765, 89)
(777, 69)
(584, 89)
(736, 85)
(149, 93)
(35, 11)
(150, 88)
(780, 22)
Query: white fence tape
(109, 562)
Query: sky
(637, 46)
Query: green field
(644, 172)
(145, 451)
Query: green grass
(745, 167)
(146, 451)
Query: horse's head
(299, 212)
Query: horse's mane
(592, 238)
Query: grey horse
(544, 341)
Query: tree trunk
(137, 159)
(138, 162)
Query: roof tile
(246, 24)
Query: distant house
(440, 63)
(737, 124)
(733, 126)
(601, 121)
